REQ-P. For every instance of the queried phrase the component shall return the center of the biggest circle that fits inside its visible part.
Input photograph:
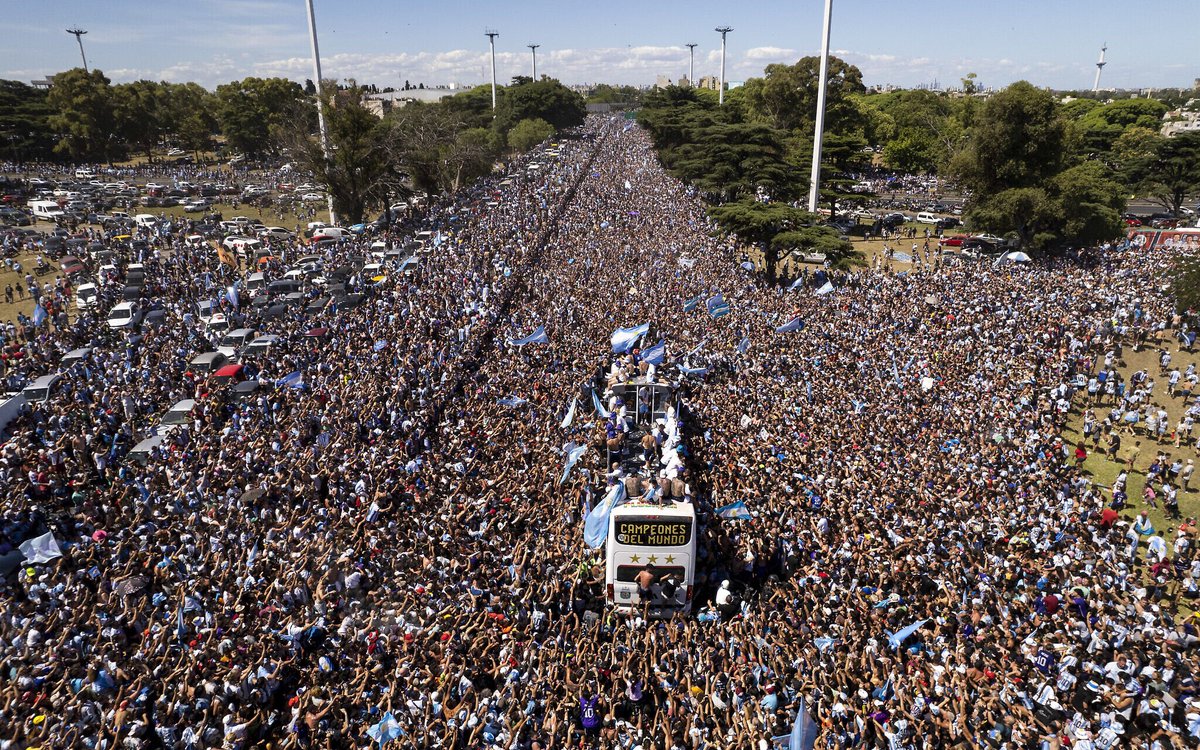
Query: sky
(906, 43)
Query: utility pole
(321, 127)
(78, 32)
(491, 35)
(691, 63)
(723, 30)
(533, 49)
(1099, 67)
(814, 184)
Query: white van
(145, 220)
(48, 210)
(84, 174)
(926, 218)
(336, 233)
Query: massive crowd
(927, 565)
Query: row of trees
(1044, 172)
(433, 147)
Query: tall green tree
(734, 160)
(1100, 128)
(139, 114)
(189, 116)
(778, 226)
(83, 114)
(360, 173)
(25, 132)
(786, 96)
(1170, 172)
(546, 99)
(250, 109)
(1018, 141)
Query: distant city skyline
(373, 42)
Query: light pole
(723, 30)
(691, 64)
(324, 132)
(78, 32)
(533, 49)
(814, 184)
(491, 35)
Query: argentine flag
(736, 511)
(537, 337)
(623, 339)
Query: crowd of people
(386, 552)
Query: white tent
(1012, 256)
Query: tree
(189, 117)
(25, 133)
(760, 223)
(733, 160)
(467, 156)
(546, 99)
(911, 152)
(83, 114)
(249, 110)
(360, 173)
(786, 97)
(1170, 172)
(474, 106)
(139, 114)
(528, 133)
(1018, 141)
(817, 239)
(1099, 129)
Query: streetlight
(533, 49)
(316, 57)
(491, 35)
(691, 63)
(723, 30)
(78, 32)
(814, 183)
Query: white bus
(663, 536)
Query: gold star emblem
(670, 559)
(635, 558)
(653, 558)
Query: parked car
(125, 315)
(948, 222)
(85, 295)
(955, 241)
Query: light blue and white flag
(895, 639)
(595, 526)
(693, 303)
(603, 412)
(537, 337)
(380, 345)
(793, 325)
(655, 354)
(231, 294)
(567, 420)
(624, 339)
(512, 401)
(717, 306)
(736, 511)
(804, 731)
(744, 345)
(386, 730)
(796, 284)
(572, 458)
(438, 239)
(39, 314)
(293, 379)
(695, 371)
(825, 289)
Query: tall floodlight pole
(723, 30)
(491, 35)
(814, 185)
(78, 32)
(533, 49)
(691, 64)
(324, 132)
(1099, 67)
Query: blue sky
(1049, 42)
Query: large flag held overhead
(804, 731)
(736, 511)
(623, 339)
(596, 402)
(293, 379)
(793, 325)
(897, 638)
(595, 527)
(717, 306)
(537, 337)
(693, 303)
(41, 549)
(825, 289)
(655, 354)
(512, 401)
(572, 458)
(567, 420)
(39, 314)
(386, 730)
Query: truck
(48, 210)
